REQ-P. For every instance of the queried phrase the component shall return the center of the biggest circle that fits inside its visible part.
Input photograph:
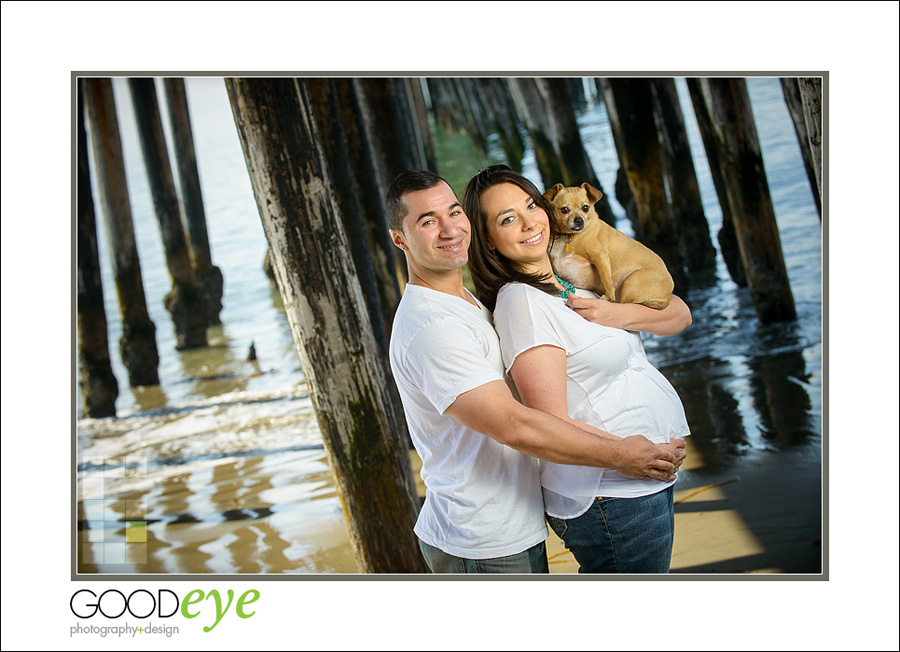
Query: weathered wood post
(811, 94)
(185, 301)
(803, 96)
(697, 248)
(331, 133)
(325, 308)
(443, 105)
(790, 88)
(727, 235)
(532, 109)
(386, 98)
(418, 113)
(99, 388)
(577, 167)
(629, 103)
(207, 275)
(392, 148)
(477, 123)
(138, 342)
(734, 137)
(358, 125)
(499, 106)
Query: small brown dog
(595, 256)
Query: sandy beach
(762, 516)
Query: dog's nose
(578, 223)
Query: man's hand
(676, 447)
(638, 457)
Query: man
(483, 510)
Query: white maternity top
(610, 385)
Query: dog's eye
(564, 210)
(585, 208)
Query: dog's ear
(550, 194)
(593, 194)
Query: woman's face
(516, 226)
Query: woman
(595, 375)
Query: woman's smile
(537, 239)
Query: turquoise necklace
(569, 288)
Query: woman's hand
(671, 320)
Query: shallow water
(221, 468)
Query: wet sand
(763, 515)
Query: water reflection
(245, 516)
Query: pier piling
(733, 136)
(138, 342)
(727, 236)
(207, 275)
(331, 132)
(630, 106)
(803, 97)
(185, 301)
(696, 246)
(328, 318)
(99, 388)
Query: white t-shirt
(482, 499)
(610, 384)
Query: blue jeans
(533, 560)
(621, 535)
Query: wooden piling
(207, 275)
(577, 167)
(629, 104)
(386, 98)
(734, 137)
(185, 301)
(418, 113)
(327, 314)
(532, 110)
(500, 108)
(358, 125)
(811, 95)
(138, 342)
(697, 249)
(445, 106)
(478, 106)
(727, 235)
(99, 388)
(331, 133)
(334, 142)
(803, 97)
(477, 122)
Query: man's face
(435, 231)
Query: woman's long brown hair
(489, 269)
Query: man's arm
(671, 320)
(540, 377)
(492, 410)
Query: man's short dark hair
(407, 182)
